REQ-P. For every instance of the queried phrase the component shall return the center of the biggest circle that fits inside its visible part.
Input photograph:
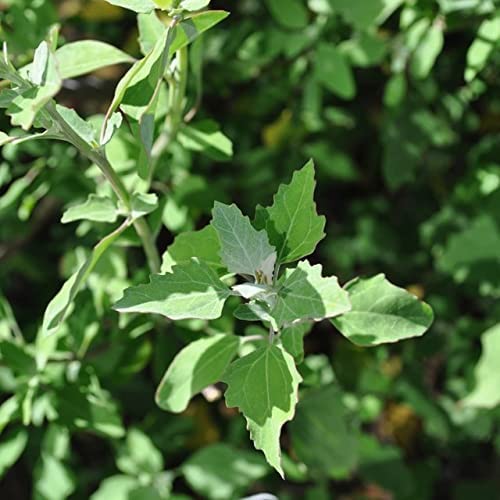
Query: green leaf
(244, 250)
(192, 5)
(136, 90)
(9, 410)
(395, 90)
(11, 448)
(88, 407)
(53, 479)
(220, 471)
(321, 435)
(483, 45)
(263, 385)
(254, 311)
(118, 487)
(17, 357)
(382, 312)
(363, 14)
(58, 307)
(292, 339)
(81, 127)
(135, 5)
(203, 244)
(96, 208)
(139, 455)
(332, 70)
(290, 14)
(304, 294)
(192, 290)
(206, 137)
(292, 223)
(112, 125)
(427, 51)
(190, 29)
(85, 56)
(486, 393)
(143, 204)
(44, 75)
(364, 49)
(150, 30)
(200, 364)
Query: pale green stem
(98, 157)
(175, 116)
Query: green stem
(98, 157)
(175, 116)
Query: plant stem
(175, 112)
(97, 156)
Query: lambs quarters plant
(259, 261)
(264, 383)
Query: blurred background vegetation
(398, 103)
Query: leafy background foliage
(397, 103)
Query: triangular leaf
(304, 294)
(293, 225)
(382, 312)
(191, 290)
(263, 385)
(244, 250)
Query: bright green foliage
(11, 447)
(485, 393)
(198, 365)
(95, 208)
(428, 50)
(203, 244)
(221, 471)
(244, 250)
(58, 307)
(263, 385)
(304, 294)
(85, 56)
(203, 126)
(191, 290)
(139, 455)
(206, 136)
(293, 225)
(45, 83)
(135, 5)
(480, 50)
(382, 312)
